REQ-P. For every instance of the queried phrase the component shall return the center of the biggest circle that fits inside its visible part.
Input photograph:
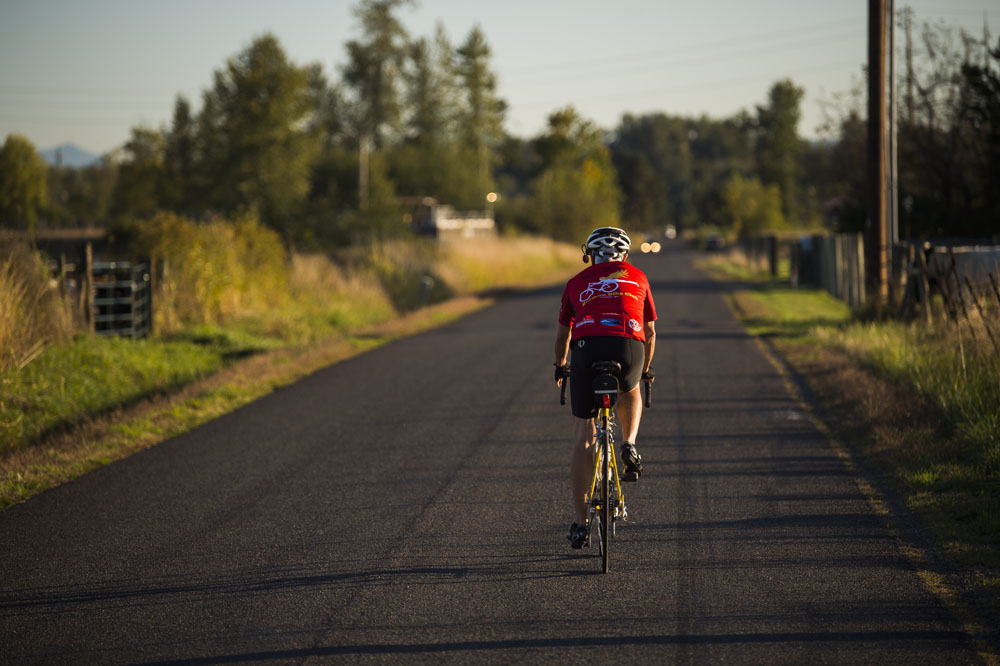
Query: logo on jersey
(584, 322)
(611, 321)
(605, 285)
(634, 325)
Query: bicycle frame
(606, 499)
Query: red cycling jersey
(610, 299)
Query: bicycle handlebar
(647, 379)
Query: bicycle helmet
(607, 243)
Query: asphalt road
(411, 504)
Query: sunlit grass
(68, 382)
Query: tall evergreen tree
(778, 143)
(257, 137)
(179, 159)
(482, 115)
(138, 191)
(374, 68)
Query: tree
(430, 161)
(374, 67)
(179, 159)
(23, 183)
(257, 136)
(778, 143)
(982, 120)
(140, 175)
(653, 157)
(751, 207)
(576, 189)
(482, 114)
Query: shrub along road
(412, 502)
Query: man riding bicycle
(607, 314)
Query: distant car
(714, 242)
(670, 232)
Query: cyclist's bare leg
(629, 412)
(581, 465)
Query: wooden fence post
(87, 293)
(924, 288)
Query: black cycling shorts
(631, 353)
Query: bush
(31, 312)
(214, 271)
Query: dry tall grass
(31, 312)
(470, 266)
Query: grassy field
(921, 406)
(79, 404)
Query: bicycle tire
(606, 513)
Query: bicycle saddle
(607, 367)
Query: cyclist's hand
(649, 376)
(562, 371)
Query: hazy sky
(87, 71)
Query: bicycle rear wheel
(606, 514)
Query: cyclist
(607, 314)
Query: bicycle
(606, 499)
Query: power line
(722, 58)
(716, 84)
(768, 38)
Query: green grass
(67, 383)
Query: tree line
(327, 162)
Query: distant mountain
(69, 155)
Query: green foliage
(140, 176)
(23, 183)
(655, 168)
(751, 207)
(778, 143)
(576, 190)
(672, 169)
(381, 217)
(82, 197)
(214, 271)
(373, 67)
(261, 152)
(180, 160)
(481, 116)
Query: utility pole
(875, 230)
(892, 229)
(907, 23)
